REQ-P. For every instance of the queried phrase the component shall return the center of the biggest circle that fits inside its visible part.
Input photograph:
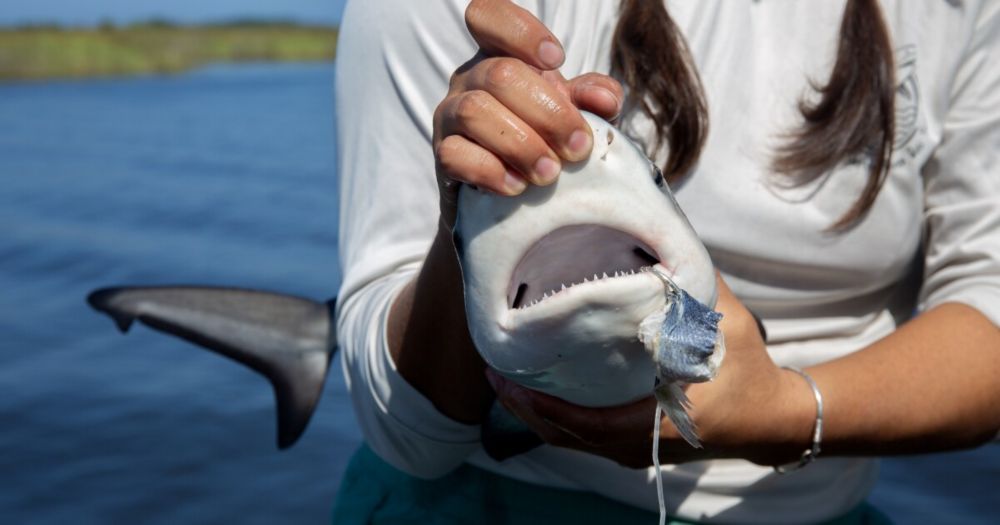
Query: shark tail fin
(671, 397)
(289, 340)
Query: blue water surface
(221, 176)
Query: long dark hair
(853, 117)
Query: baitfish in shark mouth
(594, 289)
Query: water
(222, 176)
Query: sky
(91, 12)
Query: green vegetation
(45, 52)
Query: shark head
(555, 280)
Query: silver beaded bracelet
(810, 454)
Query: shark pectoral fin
(290, 340)
(504, 435)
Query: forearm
(429, 339)
(934, 384)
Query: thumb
(504, 29)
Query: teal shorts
(374, 492)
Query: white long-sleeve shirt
(932, 236)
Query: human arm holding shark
(389, 236)
(500, 112)
(928, 387)
(942, 364)
(431, 308)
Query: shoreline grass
(47, 52)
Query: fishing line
(656, 464)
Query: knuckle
(448, 152)
(471, 104)
(478, 167)
(439, 113)
(482, 161)
(616, 86)
(558, 124)
(559, 116)
(502, 72)
(556, 120)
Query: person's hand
(506, 109)
(510, 118)
(752, 410)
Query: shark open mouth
(573, 255)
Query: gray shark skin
(290, 340)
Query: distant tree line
(108, 24)
(43, 51)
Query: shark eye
(658, 176)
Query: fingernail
(514, 184)
(550, 54)
(547, 169)
(579, 142)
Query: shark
(581, 289)
(290, 340)
(587, 289)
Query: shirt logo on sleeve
(907, 103)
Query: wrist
(788, 430)
(804, 420)
(429, 337)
